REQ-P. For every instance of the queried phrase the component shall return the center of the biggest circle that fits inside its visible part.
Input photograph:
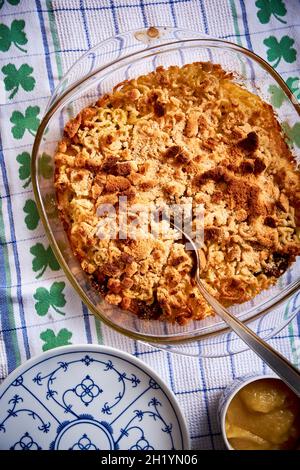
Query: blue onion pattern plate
(88, 398)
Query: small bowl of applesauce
(260, 413)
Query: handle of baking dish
(115, 49)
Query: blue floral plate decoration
(89, 398)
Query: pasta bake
(173, 136)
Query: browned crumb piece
(174, 134)
(249, 143)
(270, 222)
(277, 264)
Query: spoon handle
(278, 363)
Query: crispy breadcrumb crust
(165, 137)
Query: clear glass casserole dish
(127, 56)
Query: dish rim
(177, 338)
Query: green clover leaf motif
(32, 218)
(45, 167)
(278, 96)
(294, 85)
(292, 133)
(282, 49)
(54, 341)
(24, 170)
(16, 78)
(43, 257)
(22, 122)
(53, 298)
(13, 35)
(11, 2)
(267, 8)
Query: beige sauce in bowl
(264, 415)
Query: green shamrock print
(54, 341)
(45, 167)
(11, 2)
(22, 122)
(280, 50)
(43, 257)
(53, 298)
(278, 96)
(16, 78)
(292, 133)
(13, 35)
(24, 170)
(294, 85)
(267, 8)
(32, 218)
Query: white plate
(89, 398)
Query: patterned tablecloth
(39, 41)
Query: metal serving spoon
(278, 363)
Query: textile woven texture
(39, 41)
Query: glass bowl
(127, 56)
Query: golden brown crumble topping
(165, 137)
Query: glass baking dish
(127, 56)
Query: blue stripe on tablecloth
(85, 26)
(28, 100)
(199, 390)
(246, 27)
(87, 325)
(248, 39)
(10, 242)
(15, 252)
(264, 32)
(173, 14)
(121, 6)
(91, 55)
(114, 16)
(16, 194)
(43, 54)
(202, 8)
(38, 325)
(46, 46)
(170, 371)
(206, 29)
(143, 12)
(17, 147)
(52, 278)
(204, 388)
(151, 351)
(135, 348)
